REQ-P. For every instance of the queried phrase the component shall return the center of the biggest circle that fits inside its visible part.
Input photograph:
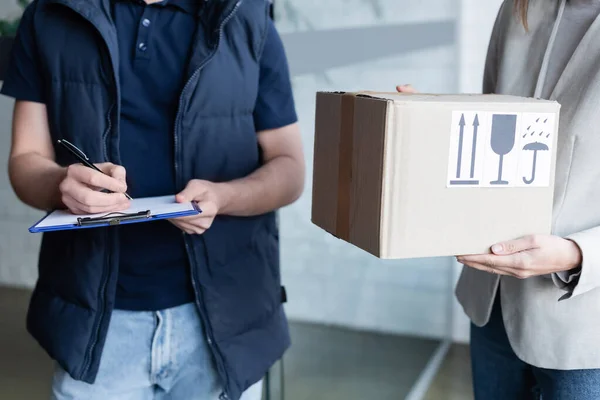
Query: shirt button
(142, 46)
(146, 22)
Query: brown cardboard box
(404, 176)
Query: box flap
(446, 98)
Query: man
(181, 97)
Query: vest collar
(214, 10)
(213, 15)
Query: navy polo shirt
(155, 42)
(154, 46)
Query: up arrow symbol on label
(474, 149)
(460, 141)
(460, 145)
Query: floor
(453, 381)
(24, 368)
(325, 363)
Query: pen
(80, 155)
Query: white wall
(9, 9)
(18, 248)
(475, 27)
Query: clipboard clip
(113, 218)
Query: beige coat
(550, 325)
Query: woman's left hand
(526, 257)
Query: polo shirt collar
(187, 6)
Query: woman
(534, 301)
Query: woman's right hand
(81, 189)
(406, 89)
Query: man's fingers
(515, 246)
(77, 207)
(94, 199)
(192, 229)
(203, 223)
(191, 192)
(181, 225)
(194, 225)
(98, 209)
(91, 198)
(116, 171)
(189, 219)
(94, 178)
(72, 205)
(188, 228)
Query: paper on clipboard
(159, 208)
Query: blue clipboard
(143, 210)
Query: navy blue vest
(235, 265)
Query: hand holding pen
(93, 189)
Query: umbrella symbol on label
(535, 147)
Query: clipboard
(141, 210)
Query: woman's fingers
(406, 89)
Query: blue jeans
(151, 356)
(498, 374)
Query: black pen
(80, 155)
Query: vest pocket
(229, 238)
(242, 284)
(61, 327)
(71, 265)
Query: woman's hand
(406, 89)
(529, 256)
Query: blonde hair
(521, 7)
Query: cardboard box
(404, 176)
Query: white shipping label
(489, 149)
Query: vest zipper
(99, 321)
(108, 130)
(194, 275)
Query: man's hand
(527, 257)
(81, 189)
(210, 198)
(277, 183)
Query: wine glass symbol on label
(504, 128)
